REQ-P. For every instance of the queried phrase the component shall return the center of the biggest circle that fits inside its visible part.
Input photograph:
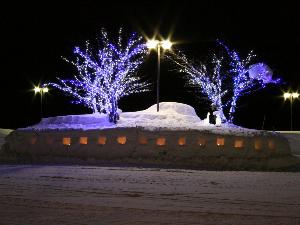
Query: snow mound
(171, 116)
(173, 107)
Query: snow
(261, 71)
(3, 134)
(43, 194)
(171, 116)
(294, 140)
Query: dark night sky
(35, 36)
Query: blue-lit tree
(208, 78)
(242, 78)
(246, 77)
(105, 76)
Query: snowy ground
(112, 195)
(43, 194)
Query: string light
(208, 80)
(243, 77)
(103, 79)
(243, 83)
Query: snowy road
(112, 195)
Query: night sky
(35, 36)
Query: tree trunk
(95, 110)
(113, 114)
(232, 110)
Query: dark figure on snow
(212, 117)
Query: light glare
(290, 95)
(166, 44)
(286, 95)
(295, 95)
(37, 89)
(151, 44)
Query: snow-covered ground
(113, 195)
(172, 116)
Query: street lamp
(291, 96)
(41, 90)
(155, 44)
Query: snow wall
(3, 134)
(175, 135)
(294, 140)
(137, 142)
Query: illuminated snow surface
(171, 116)
(60, 195)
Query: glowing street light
(152, 44)
(41, 90)
(291, 96)
(167, 44)
(155, 44)
(286, 95)
(37, 89)
(295, 95)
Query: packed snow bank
(174, 136)
(172, 116)
(294, 140)
(3, 134)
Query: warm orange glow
(33, 140)
(239, 143)
(201, 141)
(49, 140)
(271, 144)
(122, 140)
(66, 141)
(257, 145)
(143, 140)
(102, 140)
(160, 141)
(83, 140)
(182, 141)
(220, 141)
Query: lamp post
(291, 96)
(155, 44)
(41, 90)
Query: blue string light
(199, 75)
(243, 83)
(103, 79)
(244, 78)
